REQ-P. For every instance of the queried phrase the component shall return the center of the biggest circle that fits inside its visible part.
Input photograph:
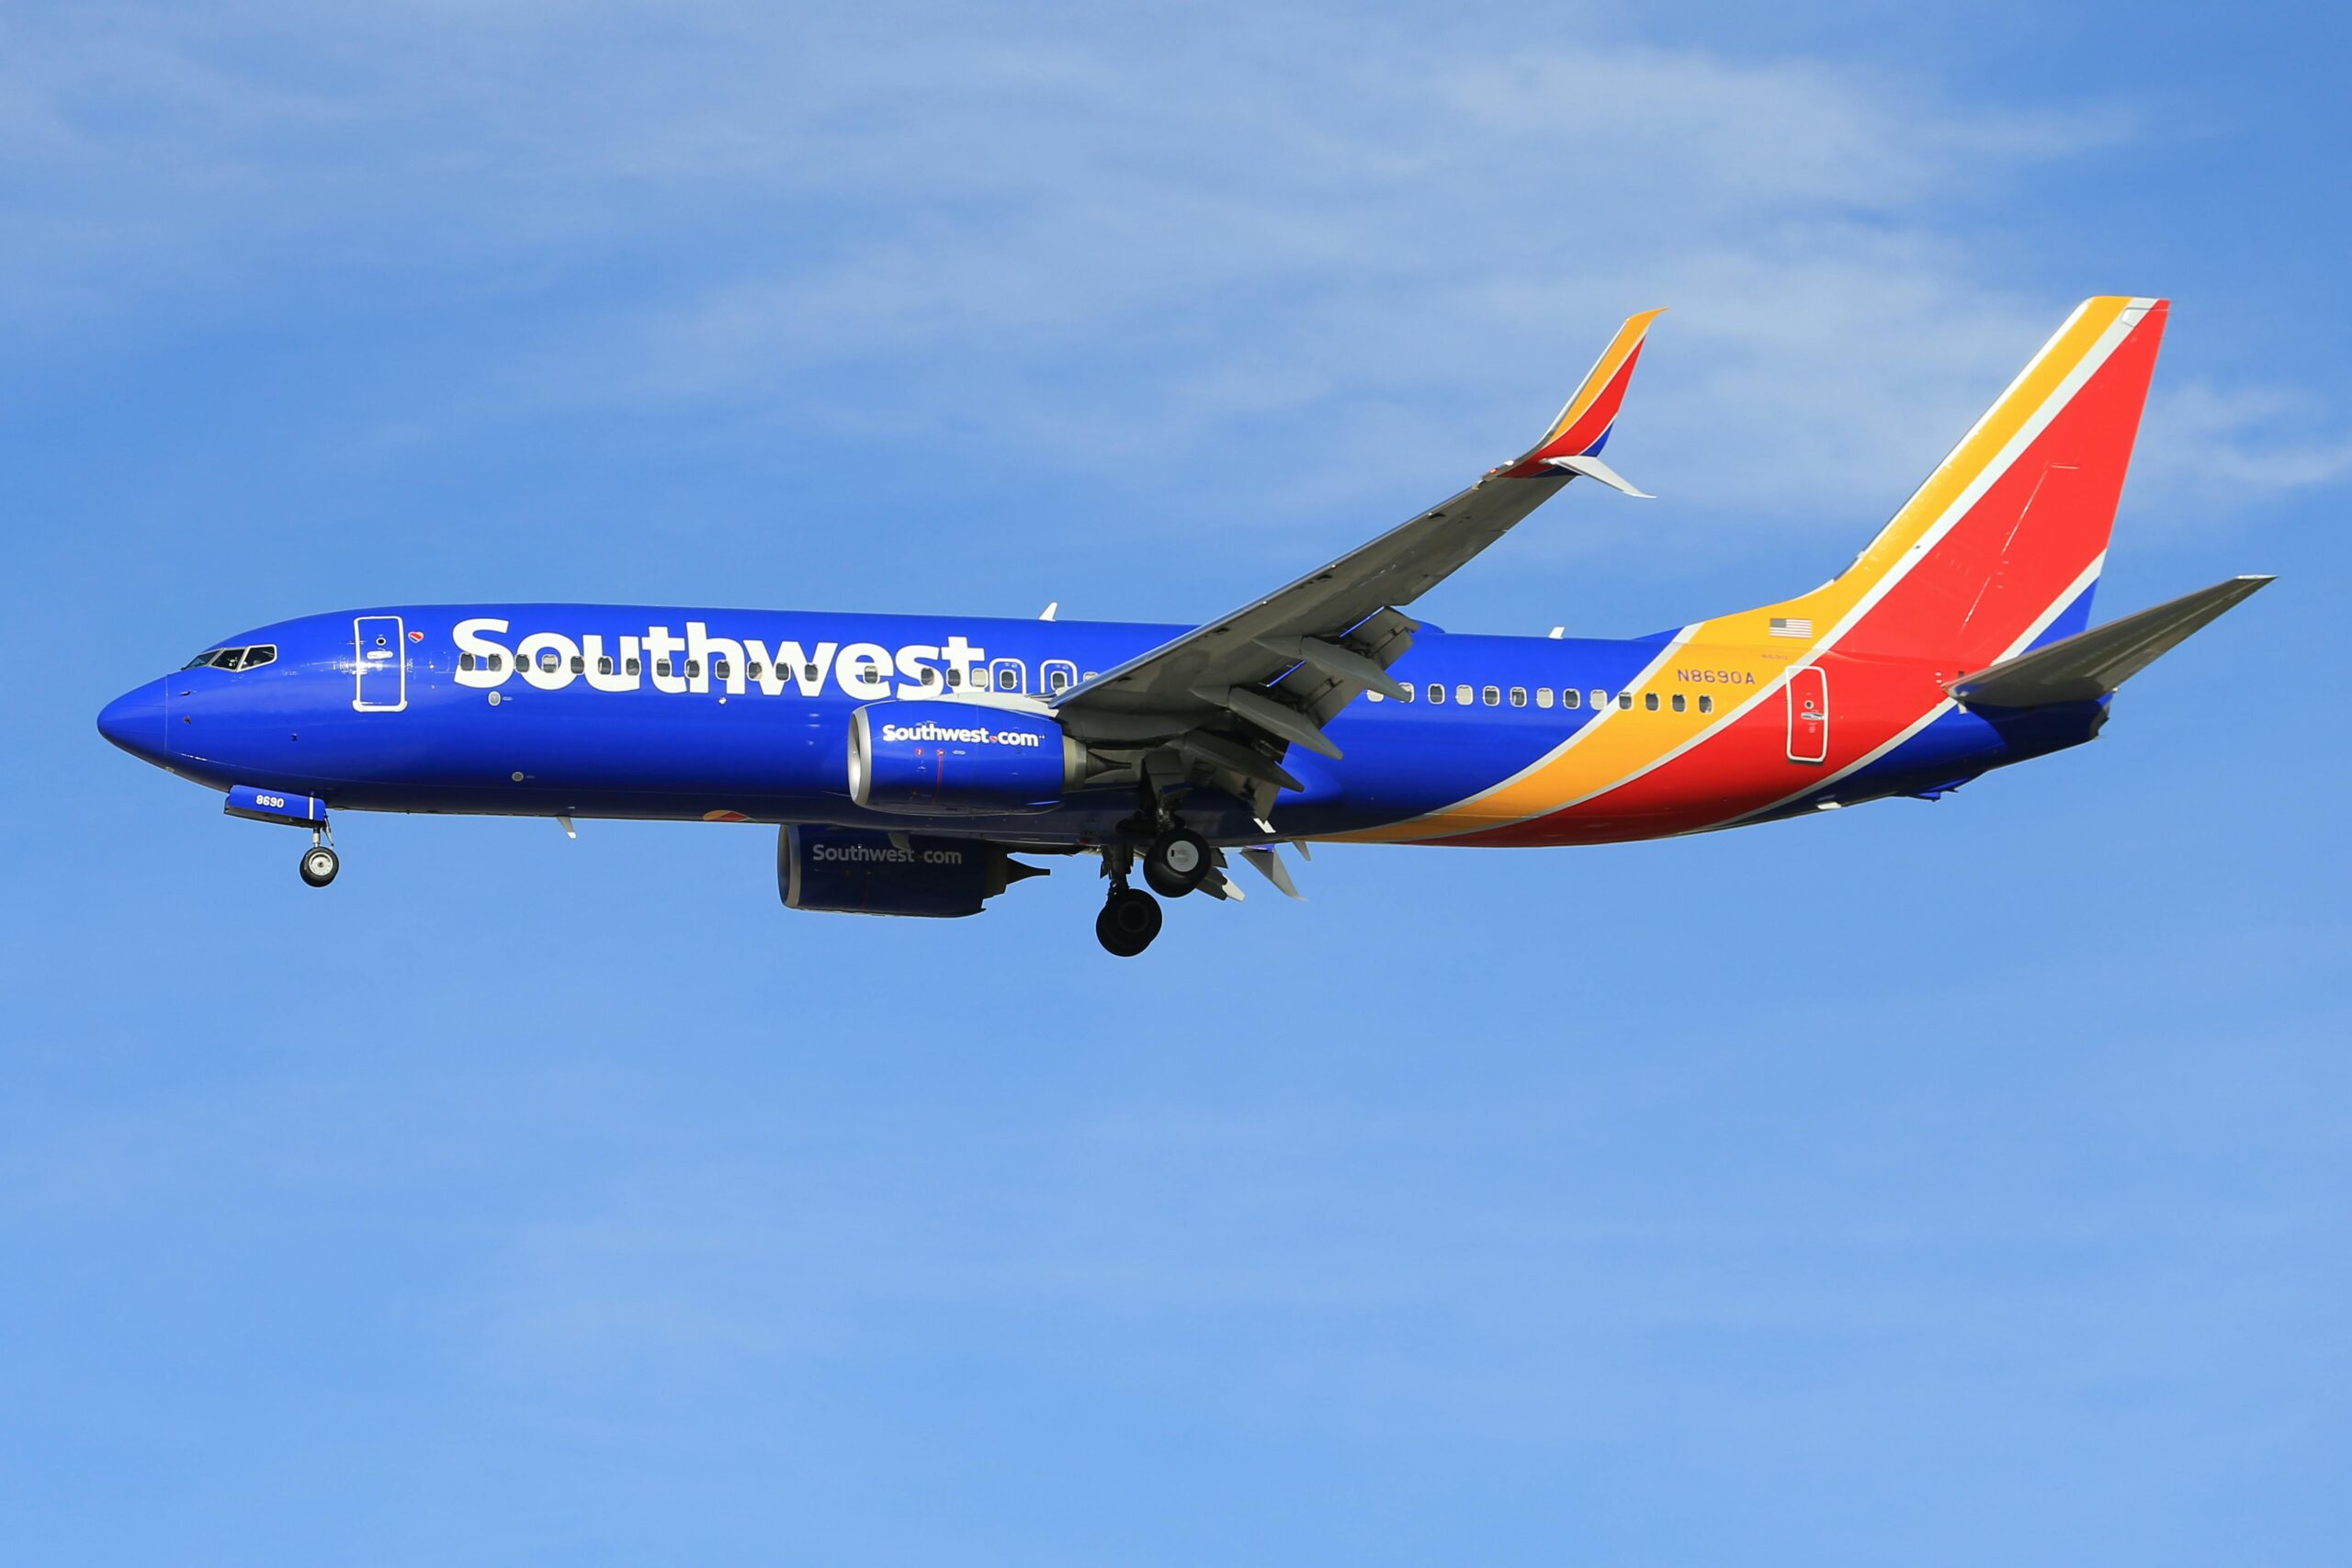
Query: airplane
(907, 761)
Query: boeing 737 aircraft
(907, 760)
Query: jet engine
(854, 872)
(954, 759)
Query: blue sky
(1940, 1183)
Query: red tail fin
(2003, 544)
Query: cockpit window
(234, 658)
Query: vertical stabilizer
(2001, 546)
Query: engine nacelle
(852, 871)
(958, 759)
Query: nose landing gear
(320, 863)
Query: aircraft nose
(134, 721)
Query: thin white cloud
(1377, 255)
(2213, 445)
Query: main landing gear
(1130, 917)
(1177, 862)
(1128, 922)
(320, 863)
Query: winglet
(1594, 468)
(1583, 427)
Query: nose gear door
(382, 664)
(1808, 694)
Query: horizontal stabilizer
(2088, 665)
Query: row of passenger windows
(1492, 697)
(1005, 675)
(234, 658)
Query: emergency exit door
(382, 664)
(1808, 695)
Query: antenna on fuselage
(1048, 613)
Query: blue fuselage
(734, 715)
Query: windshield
(234, 658)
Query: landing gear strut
(320, 863)
(1128, 922)
(1177, 862)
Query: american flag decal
(1790, 626)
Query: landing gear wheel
(319, 865)
(1127, 922)
(1177, 862)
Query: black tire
(1177, 862)
(1128, 924)
(319, 865)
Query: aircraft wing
(1280, 668)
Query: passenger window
(1059, 674)
(1543, 696)
(1680, 702)
(954, 679)
(694, 669)
(1519, 696)
(497, 662)
(579, 665)
(1600, 698)
(1406, 696)
(661, 667)
(980, 679)
(633, 667)
(1706, 704)
(1625, 701)
(930, 676)
(1012, 675)
(1462, 695)
(1649, 700)
(809, 673)
(1374, 697)
(1570, 697)
(1437, 692)
(548, 660)
(1490, 695)
(605, 665)
(465, 661)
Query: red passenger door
(1808, 697)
